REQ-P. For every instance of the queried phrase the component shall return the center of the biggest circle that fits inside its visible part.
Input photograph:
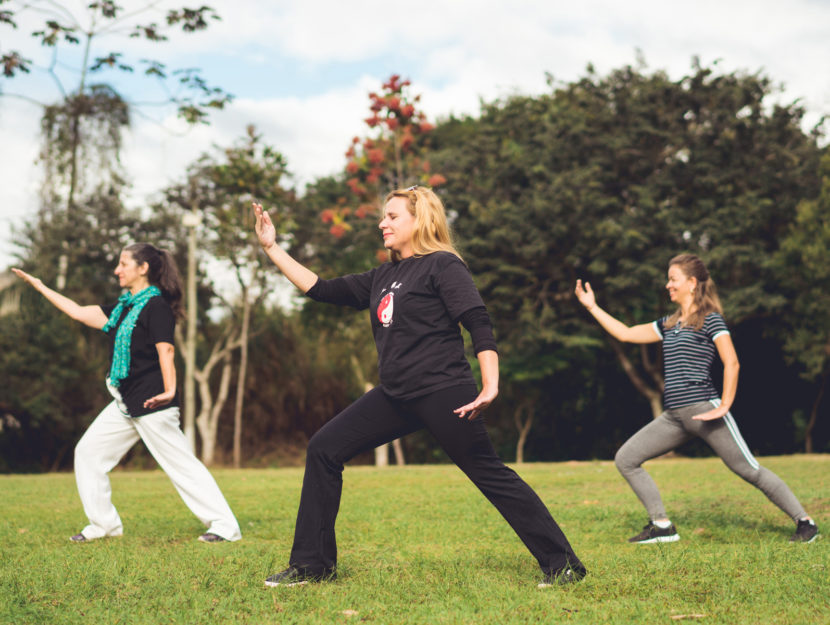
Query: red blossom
(375, 156)
(368, 144)
(337, 230)
(372, 121)
(327, 216)
(372, 179)
(350, 153)
(393, 103)
(392, 122)
(363, 210)
(393, 84)
(352, 167)
(355, 140)
(407, 110)
(353, 184)
(436, 180)
(426, 127)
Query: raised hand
(585, 294)
(265, 230)
(35, 282)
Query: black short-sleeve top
(414, 306)
(155, 324)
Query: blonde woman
(691, 337)
(416, 302)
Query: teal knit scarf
(120, 368)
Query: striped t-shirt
(687, 360)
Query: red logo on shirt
(385, 309)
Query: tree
(804, 263)
(223, 188)
(89, 116)
(606, 179)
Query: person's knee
(747, 472)
(321, 449)
(624, 461)
(82, 452)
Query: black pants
(375, 419)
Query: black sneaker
(653, 534)
(805, 532)
(562, 577)
(212, 538)
(293, 576)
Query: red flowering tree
(390, 156)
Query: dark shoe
(212, 538)
(78, 538)
(562, 577)
(805, 532)
(653, 534)
(293, 576)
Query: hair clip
(412, 188)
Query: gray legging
(674, 427)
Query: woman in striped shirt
(691, 337)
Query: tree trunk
(523, 426)
(208, 419)
(240, 382)
(654, 396)
(189, 415)
(399, 457)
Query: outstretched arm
(92, 316)
(643, 333)
(298, 274)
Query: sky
(301, 70)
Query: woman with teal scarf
(142, 382)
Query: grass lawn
(420, 544)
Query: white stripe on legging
(736, 436)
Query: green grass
(419, 544)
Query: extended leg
(167, 443)
(101, 448)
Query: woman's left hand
(159, 400)
(711, 415)
(475, 408)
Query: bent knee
(624, 461)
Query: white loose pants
(110, 437)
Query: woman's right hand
(265, 230)
(585, 295)
(35, 282)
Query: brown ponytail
(163, 273)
